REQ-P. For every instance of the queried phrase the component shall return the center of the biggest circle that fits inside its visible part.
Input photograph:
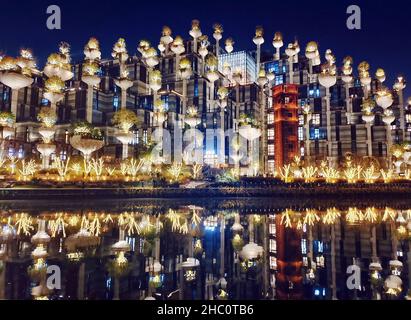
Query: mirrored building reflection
(168, 251)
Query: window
(304, 246)
(270, 118)
(316, 133)
(316, 119)
(273, 246)
(272, 229)
(115, 102)
(279, 80)
(145, 136)
(270, 134)
(300, 134)
(270, 149)
(301, 120)
(273, 263)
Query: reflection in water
(193, 252)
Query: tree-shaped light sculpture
(90, 69)
(48, 118)
(385, 99)
(58, 71)
(249, 130)
(17, 74)
(165, 40)
(347, 78)
(327, 79)
(364, 74)
(125, 119)
(368, 116)
(229, 45)
(217, 35)
(178, 48)
(86, 139)
(203, 51)
(212, 75)
(195, 33)
(291, 51)
(123, 82)
(277, 44)
(258, 41)
(185, 74)
(313, 56)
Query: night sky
(384, 40)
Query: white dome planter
(86, 146)
(212, 76)
(368, 117)
(365, 81)
(63, 74)
(53, 97)
(388, 119)
(384, 101)
(124, 84)
(91, 80)
(39, 253)
(327, 80)
(15, 80)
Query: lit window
(316, 133)
(145, 136)
(304, 246)
(316, 119)
(279, 80)
(273, 246)
(270, 134)
(115, 102)
(272, 229)
(270, 118)
(270, 149)
(301, 120)
(273, 263)
(300, 134)
(302, 151)
(408, 118)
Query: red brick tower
(285, 103)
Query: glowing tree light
(217, 35)
(347, 78)
(195, 32)
(368, 116)
(48, 117)
(17, 73)
(277, 44)
(364, 74)
(258, 41)
(90, 69)
(327, 79)
(165, 40)
(123, 82)
(125, 119)
(313, 56)
(185, 74)
(86, 139)
(178, 48)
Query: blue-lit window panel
(196, 87)
(303, 246)
(5, 95)
(115, 102)
(279, 79)
(44, 102)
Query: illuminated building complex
(297, 103)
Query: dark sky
(384, 39)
